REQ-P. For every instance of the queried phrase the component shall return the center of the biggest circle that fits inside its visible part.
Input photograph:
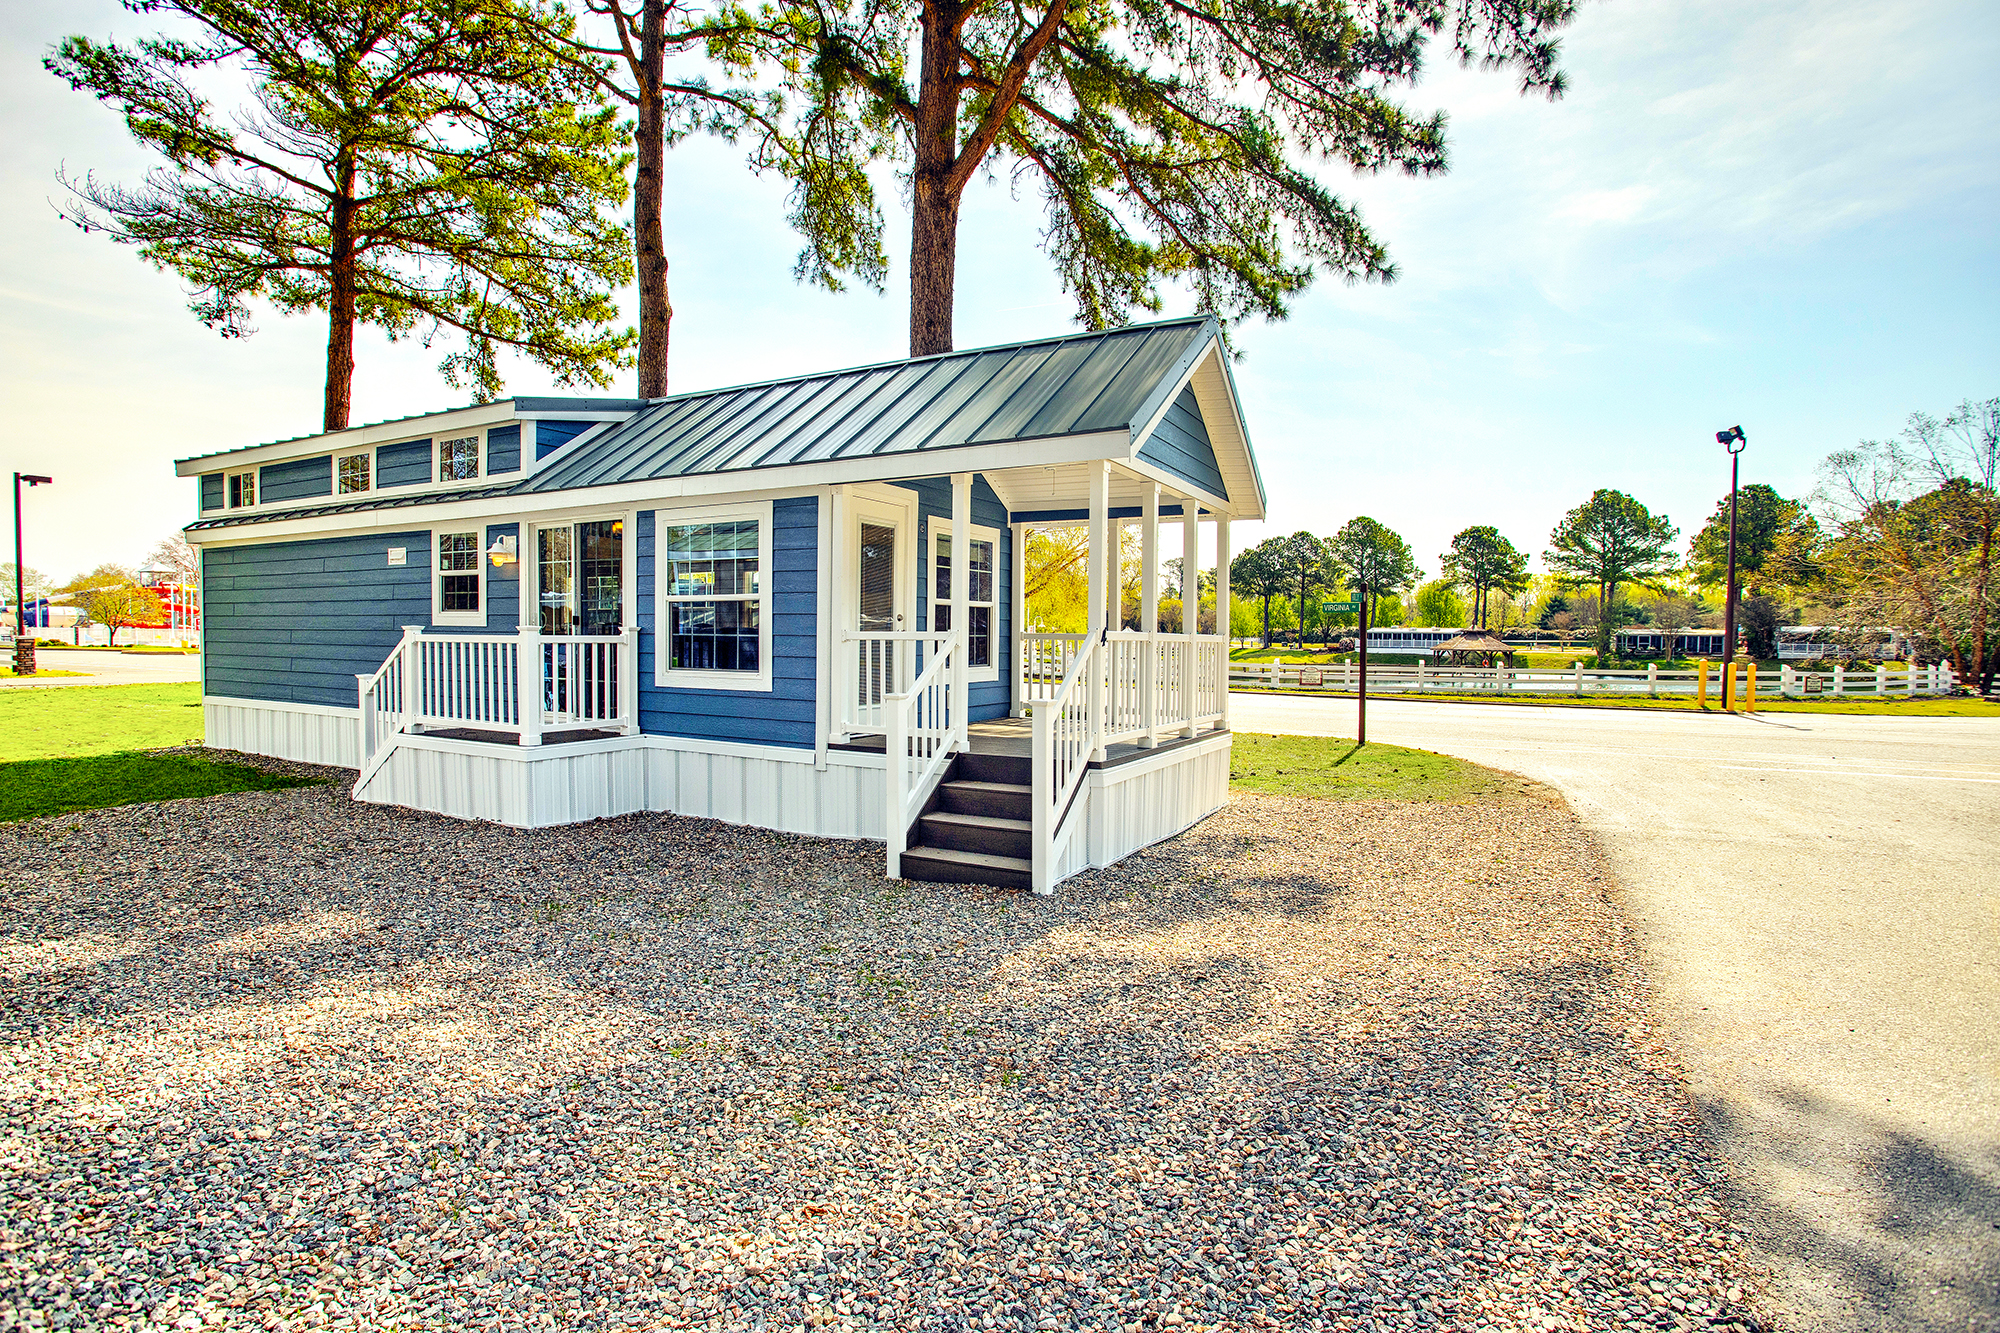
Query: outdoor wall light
(502, 551)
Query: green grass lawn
(97, 719)
(7, 673)
(1331, 769)
(31, 788)
(84, 748)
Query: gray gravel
(276, 1059)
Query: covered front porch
(1119, 689)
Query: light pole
(24, 643)
(1733, 440)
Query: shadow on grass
(36, 788)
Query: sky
(1778, 215)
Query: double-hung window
(714, 592)
(458, 459)
(458, 581)
(242, 490)
(982, 562)
(351, 473)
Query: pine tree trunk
(340, 301)
(933, 201)
(656, 312)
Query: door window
(580, 574)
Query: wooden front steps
(975, 829)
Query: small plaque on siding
(399, 555)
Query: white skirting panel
(1138, 804)
(846, 799)
(309, 733)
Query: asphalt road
(1820, 895)
(107, 668)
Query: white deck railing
(920, 738)
(1066, 733)
(1651, 681)
(872, 667)
(477, 681)
(1154, 686)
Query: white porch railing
(873, 667)
(1186, 690)
(920, 738)
(1066, 734)
(477, 680)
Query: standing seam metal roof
(1079, 384)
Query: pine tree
(1609, 540)
(415, 165)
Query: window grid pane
(353, 474)
(458, 460)
(714, 591)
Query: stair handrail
(921, 737)
(1066, 727)
(386, 697)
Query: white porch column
(1190, 605)
(838, 560)
(961, 602)
(1101, 556)
(1149, 611)
(1017, 616)
(1222, 612)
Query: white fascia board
(339, 441)
(597, 415)
(749, 483)
(1226, 435)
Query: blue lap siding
(300, 479)
(1180, 445)
(211, 490)
(405, 464)
(553, 435)
(294, 622)
(782, 716)
(989, 698)
(503, 450)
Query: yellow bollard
(1729, 686)
(1701, 683)
(1750, 692)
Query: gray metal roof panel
(1055, 386)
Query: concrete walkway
(1821, 898)
(108, 668)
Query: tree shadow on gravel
(1878, 1228)
(300, 1051)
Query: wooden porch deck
(1015, 736)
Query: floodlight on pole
(24, 643)
(1734, 440)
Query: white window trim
(941, 527)
(256, 487)
(458, 619)
(437, 457)
(668, 677)
(369, 455)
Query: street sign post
(1339, 608)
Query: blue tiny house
(797, 604)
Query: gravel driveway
(278, 1059)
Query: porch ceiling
(1066, 486)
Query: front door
(879, 590)
(580, 592)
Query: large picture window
(714, 598)
(982, 561)
(458, 589)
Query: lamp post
(1733, 440)
(24, 643)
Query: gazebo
(1469, 646)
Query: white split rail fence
(1786, 683)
